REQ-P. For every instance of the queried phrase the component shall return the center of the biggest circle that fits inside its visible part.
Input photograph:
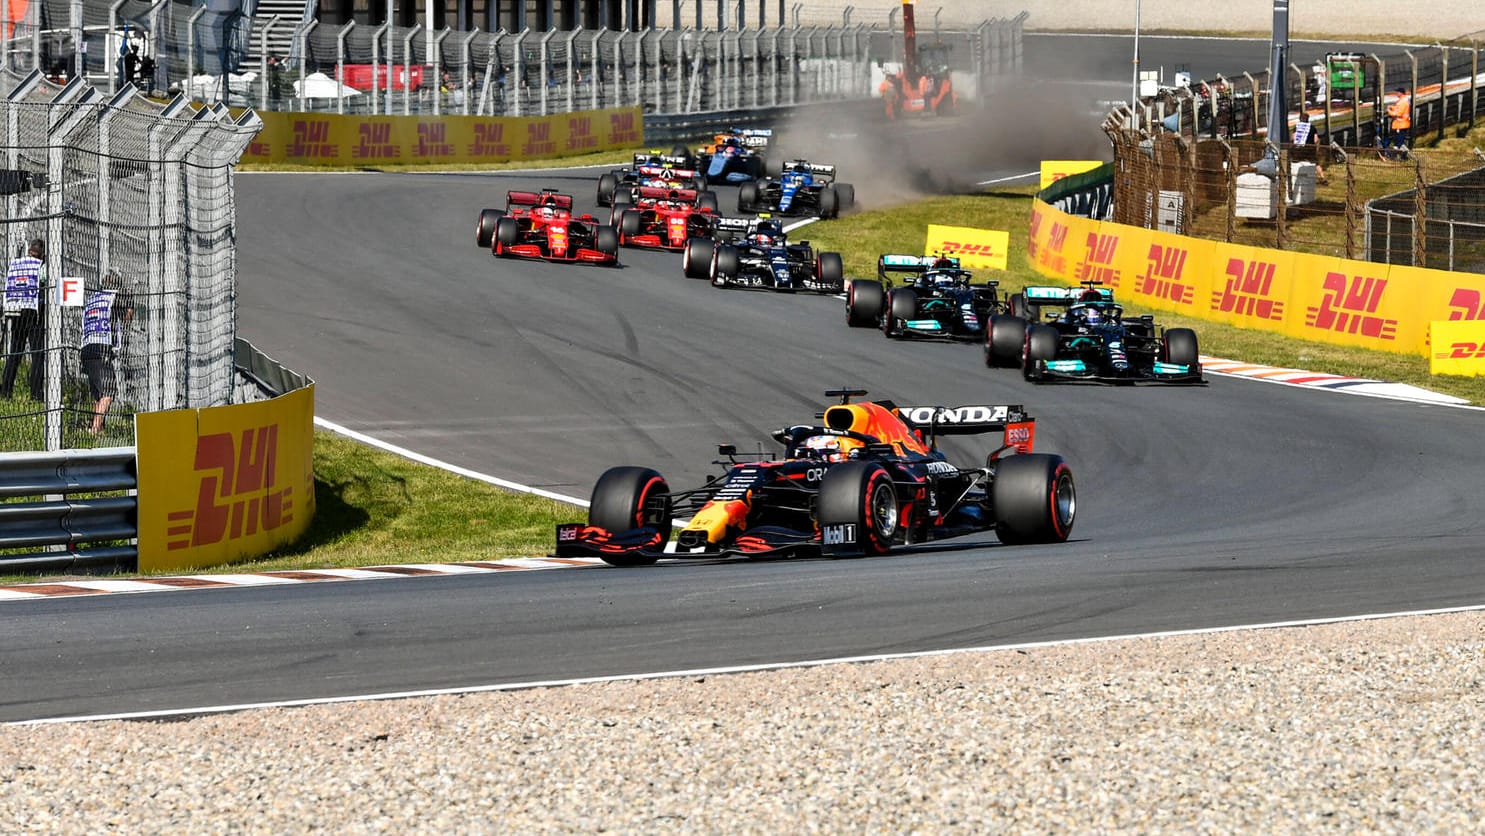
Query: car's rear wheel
(861, 493)
(771, 167)
(747, 198)
(484, 232)
(697, 259)
(606, 240)
(607, 185)
(620, 502)
(1041, 346)
(1024, 309)
(864, 300)
(1180, 347)
(829, 202)
(847, 195)
(1034, 499)
(902, 305)
(1004, 340)
(829, 269)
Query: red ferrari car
(541, 225)
(665, 218)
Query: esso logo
(1017, 435)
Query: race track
(1237, 503)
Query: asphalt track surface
(1237, 503)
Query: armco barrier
(1312, 297)
(334, 140)
(55, 532)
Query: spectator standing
(23, 282)
(1307, 145)
(105, 313)
(275, 81)
(1400, 123)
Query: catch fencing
(120, 186)
(1197, 161)
(362, 69)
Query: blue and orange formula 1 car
(868, 479)
(1086, 336)
(541, 225)
(665, 219)
(938, 300)
(758, 254)
(652, 170)
(800, 189)
(735, 155)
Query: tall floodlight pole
(1278, 108)
(391, 13)
(1134, 91)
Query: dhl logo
(1246, 291)
(538, 139)
(1462, 351)
(433, 140)
(1098, 260)
(236, 496)
(259, 149)
(1052, 257)
(1466, 304)
(489, 141)
(1031, 237)
(1162, 278)
(957, 248)
(375, 142)
(312, 140)
(1349, 307)
(580, 133)
(623, 128)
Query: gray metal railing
(58, 530)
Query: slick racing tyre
(629, 224)
(829, 202)
(747, 198)
(1033, 498)
(902, 305)
(606, 240)
(1004, 340)
(619, 503)
(607, 185)
(1024, 309)
(1040, 347)
(772, 168)
(507, 232)
(864, 301)
(861, 494)
(696, 261)
(829, 269)
(1180, 347)
(484, 232)
(708, 201)
(725, 264)
(847, 195)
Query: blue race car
(801, 189)
(735, 155)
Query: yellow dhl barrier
(221, 484)
(984, 248)
(335, 140)
(1054, 170)
(1457, 347)
(1320, 298)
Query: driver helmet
(732, 142)
(1091, 295)
(830, 448)
(1093, 315)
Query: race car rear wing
(561, 201)
(661, 193)
(755, 137)
(1020, 428)
(915, 264)
(1050, 295)
(730, 229)
(823, 170)
(668, 172)
(658, 160)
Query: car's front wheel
(626, 498)
(858, 505)
(863, 303)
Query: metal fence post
(594, 78)
(407, 65)
(113, 26)
(1444, 90)
(304, 59)
(340, 65)
(435, 58)
(1420, 214)
(155, 247)
(191, 53)
(572, 64)
(639, 68)
(105, 179)
(518, 73)
(263, 77)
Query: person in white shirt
(105, 313)
(23, 283)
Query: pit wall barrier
(336, 140)
(1312, 297)
(224, 484)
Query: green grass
(376, 508)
